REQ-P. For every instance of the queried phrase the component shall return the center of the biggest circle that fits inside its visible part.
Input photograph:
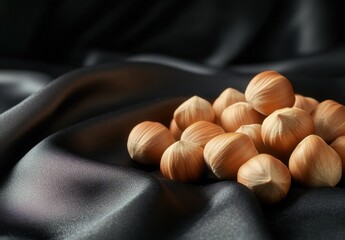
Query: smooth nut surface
(228, 97)
(174, 129)
(285, 128)
(239, 114)
(266, 176)
(254, 132)
(201, 132)
(329, 117)
(147, 141)
(193, 110)
(308, 104)
(183, 161)
(225, 153)
(269, 91)
(338, 145)
(315, 164)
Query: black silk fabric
(87, 72)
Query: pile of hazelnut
(260, 138)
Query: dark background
(214, 33)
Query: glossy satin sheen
(66, 171)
